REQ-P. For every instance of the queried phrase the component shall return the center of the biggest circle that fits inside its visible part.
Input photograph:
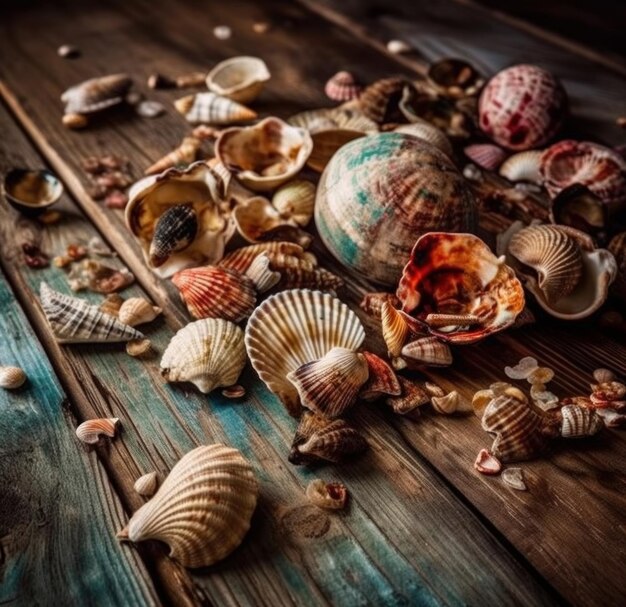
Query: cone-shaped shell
(136, 311)
(89, 431)
(11, 378)
(174, 231)
(295, 201)
(202, 510)
(578, 422)
(73, 320)
(238, 78)
(184, 154)
(485, 155)
(523, 166)
(342, 87)
(428, 133)
(209, 353)
(295, 327)
(213, 109)
(427, 351)
(96, 94)
(215, 292)
(331, 384)
(381, 380)
(394, 328)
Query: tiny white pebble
(472, 172)
(149, 109)
(397, 47)
(222, 32)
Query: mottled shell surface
(342, 87)
(458, 274)
(522, 107)
(202, 511)
(210, 108)
(295, 327)
(209, 353)
(96, 94)
(241, 259)
(239, 78)
(379, 193)
(174, 231)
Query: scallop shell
(428, 351)
(458, 274)
(579, 421)
(428, 133)
(216, 292)
(147, 484)
(239, 78)
(136, 311)
(11, 378)
(331, 384)
(184, 154)
(89, 432)
(321, 439)
(447, 404)
(202, 510)
(381, 379)
(523, 166)
(256, 218)
(295, 201)
(209, 353)
(380, 100)
(485, 155)
(96, 94)
(410, 399)
(522, 107)
(295, 327)
(265, 155)
(213, 109)
(73, 320)
(342, 87)
(331, 496)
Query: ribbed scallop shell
(522, 107)
(202, 510)
(342, 118)
(295, 327)
(428, 133)
(147, 484)
(342, 87)
(331, 384)
(555, 256)
(73, 320)
(184, 154)
(428, 351)
(209, 353)
(238, 78)
(523, 166)
(381, 380)
(213, 109)
(11, 377)
(380, 100)
(89, 431)
(96, 94)
(485, 155)
(136, 311)
(295, 201)
(241, 259)
(579, 421)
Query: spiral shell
(523, 166)
(447, 404)
(209, 353)
(136, 311)
(380, 100)
(428, 351)
(96, 94)
(174, 231)
(239, 78)
(184, 154)
(295, 201)
(11, 378)
(394, 328)
(202, 511)
(147, 484)
(295, 327)
(485, 155)
(372, 303)
(213, 109)
(89, 432)
(579, 421)
(381, 379)
(342, 87)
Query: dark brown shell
(380, 100)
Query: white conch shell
(295, 327)
(74, 320)
(429, 133)
(523, 166)
(295, 201)
(137, 310)
(89, 432)
(238, 78)
(11, 377)
(213, 109)
(147, 484)
(209, 353)
(202, 510)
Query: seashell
(256, 218)
(454, 78)
(136, 311)
(617, 246)
(11, 378)
(428, 133)
(523, 166)
(73, 320)
(453, 321)
(514, 478)
(342, 87)
(428, 351)
(174, 231)
(611, 418)
(577, 207)
(31, 192)
(331, 496)
(434, 389)
(265, 155)
(89, 432)
(234, 392)
(112, 304)
(394, 328)
(149, 109)
(372, 303)
(96, 94)
(331, 384)
(522, 107)
(239, 78)
(139, 347)
(147, 484)
(222, 32)
(603, 375)
(300, 276)
(213, 109)
(321, 439)
(261, 274)
(190, 80)
(579, 421)
(75, 121)
(609, 391)
(411, 397)
(241, 259)
(98, 277)
(202, 510)
(184, 154)
(447, 404)
(397, 47)
(598, 168)
(200, 189)
(295, 327)
(381, 379)
(371, 182)
(209, 353)
(295, 201)
(216, 292)
(458, 274)
(523, 369)
(68, 51)
(380, 100)
(480, 400)
(485, 155)
(487, 464)
(521, 433)
(540, 375)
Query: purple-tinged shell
(486, 155)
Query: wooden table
(422, 528)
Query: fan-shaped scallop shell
(485, 155)
(202, 510)
(213, 109)
(381, 380)
(209, 353)
(11, 377)
(523, 166)
(331, 384)
(342, 87)
(89, 431)
(429, 133)
(73, 320)
(295, 327)
(96, 94)
(238, 78)
(136, 311)
(295, 200)
(380, 100)
(579, 421)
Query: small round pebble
(397, 47)
(149, 109)
(68, 51)
(222, 32)
(74, 121)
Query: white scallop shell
(524, 166)
(89, 431)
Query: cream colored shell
(136, 311)
(238, 78)
(11, 377)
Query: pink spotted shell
(342, 87)
(522, 107)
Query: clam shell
(342, 87)
(429, 133)
(213, 109)
(381, 379)
(522, 107)
(428, 351)
(89, 432)
(295, 327)
(202, 510)
(174, 231)
(380, 100)
(331, 384)
(147, 484)
(579, 421)
(295, 201)
(485, 155)
(256, 218)
(11, 378)
(523, 166)
(209, 353)
(136, 311)
(411, 397)
(96, 94)
(239, 78)
(486, 463)
(73, 320)
(184, 154)
(331, 496)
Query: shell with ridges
(381, 380)
(428, 351)
(209, 353)
(447, 404)
(96, 94)
(202, 510)
(240, 259)
(174, 231)
(295, 200)
(394, 329)
(261, 274)
(429, 133)
(523, 166)
(342, 87)
(579, 421)
(485, 155)
(184, 154)
(11, 378)
(89, 432)
(136, 311)
(213, 109)
(372, 303)
(147, 484)
(412, 397)
(238, 78)
(380, 100)
(256, 218)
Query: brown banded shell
(411, 397)
(427, 351)
(213, 109)
(380, 100)
(578, 422)
(12, 378)
(96, 94)
(112, 304)
(523, 166)
(184, 154)
(136, 311)
(486, 155)
(394, 328)
(239, 78)
(332, 496)
(447, 404)
(89, 431)
(342, 87)
(382, 379)
(372, 303)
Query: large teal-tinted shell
(380, 193)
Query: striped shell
(523, 166)
(174, 231)
(331, 384)
(202, 511)
(379, 193)
(239, 78)
(411, 397)
(213, 109)
(209, 353)
(381, 379)
(446, 404)
(342, 87)
(241, 259)
(578, 422)
(295, 327)
(522, 107)
(96, 94)
(74, 320)
(394, 328)
(485, 155)
(427, 351)
(89, 431)
(428, 133)
(380, 100)
(295, 201)
(136, 311)
(372, 303)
